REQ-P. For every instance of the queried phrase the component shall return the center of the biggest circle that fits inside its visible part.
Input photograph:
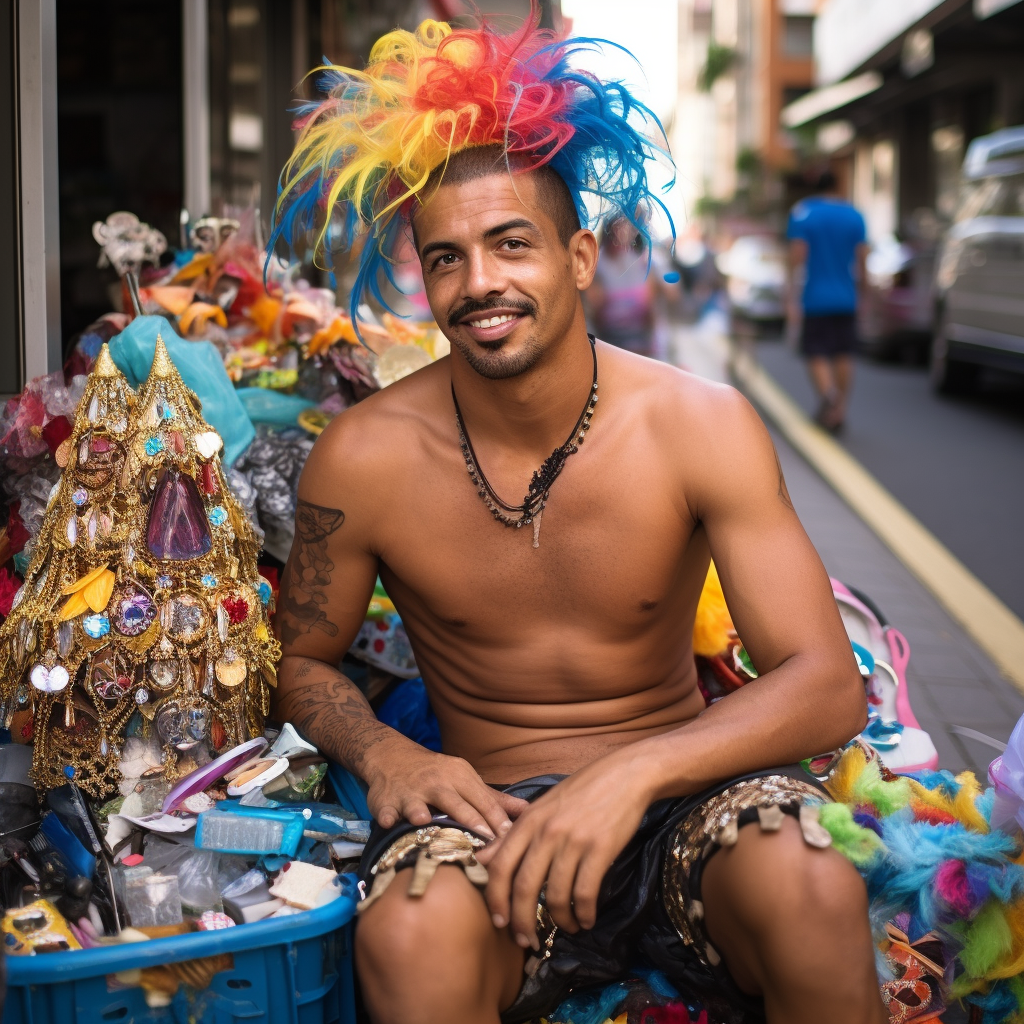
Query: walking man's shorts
(834, 334)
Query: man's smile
(491, 325)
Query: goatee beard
(498, 365)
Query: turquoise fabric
(202, 370)
(272, 407)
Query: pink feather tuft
(954, 888)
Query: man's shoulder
(370, 435)
(677, 398)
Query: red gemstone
(178, 442)
(177, 528)
(237, 609)
(210, 484)
(101, 444)
(378, 646)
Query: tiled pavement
(951, 681)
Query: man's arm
(796, 263)
(325, 592)
(808, 699)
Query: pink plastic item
(198, 780)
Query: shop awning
(829, 98)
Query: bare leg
(437, 956)
(842, 367)
(820, 370)
(791, 923)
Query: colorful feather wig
(366, 150)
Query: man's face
(500, 283)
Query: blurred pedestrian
(827, 253)
(621, 301)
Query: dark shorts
(650, 912)
(834, 334)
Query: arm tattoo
(783, 490)
(331, 712)
(309, 572)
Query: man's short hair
(826, 182)
(481, 161)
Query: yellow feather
(712, 627)
(98, 592)
(86, 579)
(74, 606)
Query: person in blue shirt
(827, 249)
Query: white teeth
(493, 321)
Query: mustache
(486, 305)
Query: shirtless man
(570, 655)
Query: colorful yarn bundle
(367, 149)
(927, 851)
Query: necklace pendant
(536, 528)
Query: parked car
(755, 270)
(979, 311)
(896, 318)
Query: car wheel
(949, 375)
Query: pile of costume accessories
(137, 661)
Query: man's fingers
(464, 813)
(513, 806)
(558, 895)
(526, 886)
(416, 812)
(589, 876)
(388, 816)
(493, 810)
(502, 859)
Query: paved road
(956, 464)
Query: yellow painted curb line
(992, 625)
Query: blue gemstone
(80, 496)
(154, 446)
(69, 771)
(209, 581)
(168, 412)
(133, 615)
(164, 581)
(218, 515)
(96, 625)
(264, 591)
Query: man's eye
(514, 243)
(446, 260)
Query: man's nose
(484, 276)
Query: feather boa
(926, 849)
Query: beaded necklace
(532, 508)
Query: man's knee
(770, 879)
(399, 933)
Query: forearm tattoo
(330, 711)
(309, 573)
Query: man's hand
(406, 781)
(568, 838)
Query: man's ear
(583, 249)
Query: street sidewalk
(955, 688)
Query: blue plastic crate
(292, 970)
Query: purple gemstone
(134, 614)
(177, 529)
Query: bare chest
(613, 546)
